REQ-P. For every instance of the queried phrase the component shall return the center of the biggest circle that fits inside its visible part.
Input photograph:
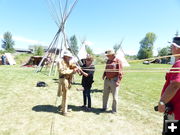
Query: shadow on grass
(75, 83)
(55, 80)
(93, 110)
(45, 108)
(54, 109)
(96, 90)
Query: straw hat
(109, 52)
(68, 54)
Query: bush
(39, 51)
(22, 58)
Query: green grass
(29, 110)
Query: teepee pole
(55, 56)
(60, 21)
(60, 6)
(121, 46)
(55, 46)
(70, 10)
(72, 51)
(54, 12)
(46, 54)
(65, 8)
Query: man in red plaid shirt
(112, 77)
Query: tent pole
(64, 14)
(75, 2)
(55, 43)
(55, 56)
(46, 54)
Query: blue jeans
(87, 96)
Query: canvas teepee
(120, 55)
(60, 11)
(10, 59)
(82, 54)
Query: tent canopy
(120, 54)
(82, 54)
(10, 59)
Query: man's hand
(120, 76)
(75, 70)
(80, 70)
(103, 77)
(161, 107)
(117, 84)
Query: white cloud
(88, 43)
(26, 40)
(29, 41)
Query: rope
(131, 61)
(142, 71)
(175, 55)
(167, 70)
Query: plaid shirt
(113, 69)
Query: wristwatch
(161, 103)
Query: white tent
(10, 59)
(120, 55)
(82, 54)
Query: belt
(62, 76)
(109, 78)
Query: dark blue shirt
(87, 81)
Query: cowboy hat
(109, 52)
(68, 54)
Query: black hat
(176, 41)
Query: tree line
(145, 50)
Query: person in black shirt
(87, 80)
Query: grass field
(28, 110)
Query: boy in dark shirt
(87, 80)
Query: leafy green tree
(116, 47)
(74, 44)
(131, 57)
(146, 46)
(7, 42)
(89, 50)
(38, 50)
(164, 52)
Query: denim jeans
(87, 96)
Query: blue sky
(102, 22)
